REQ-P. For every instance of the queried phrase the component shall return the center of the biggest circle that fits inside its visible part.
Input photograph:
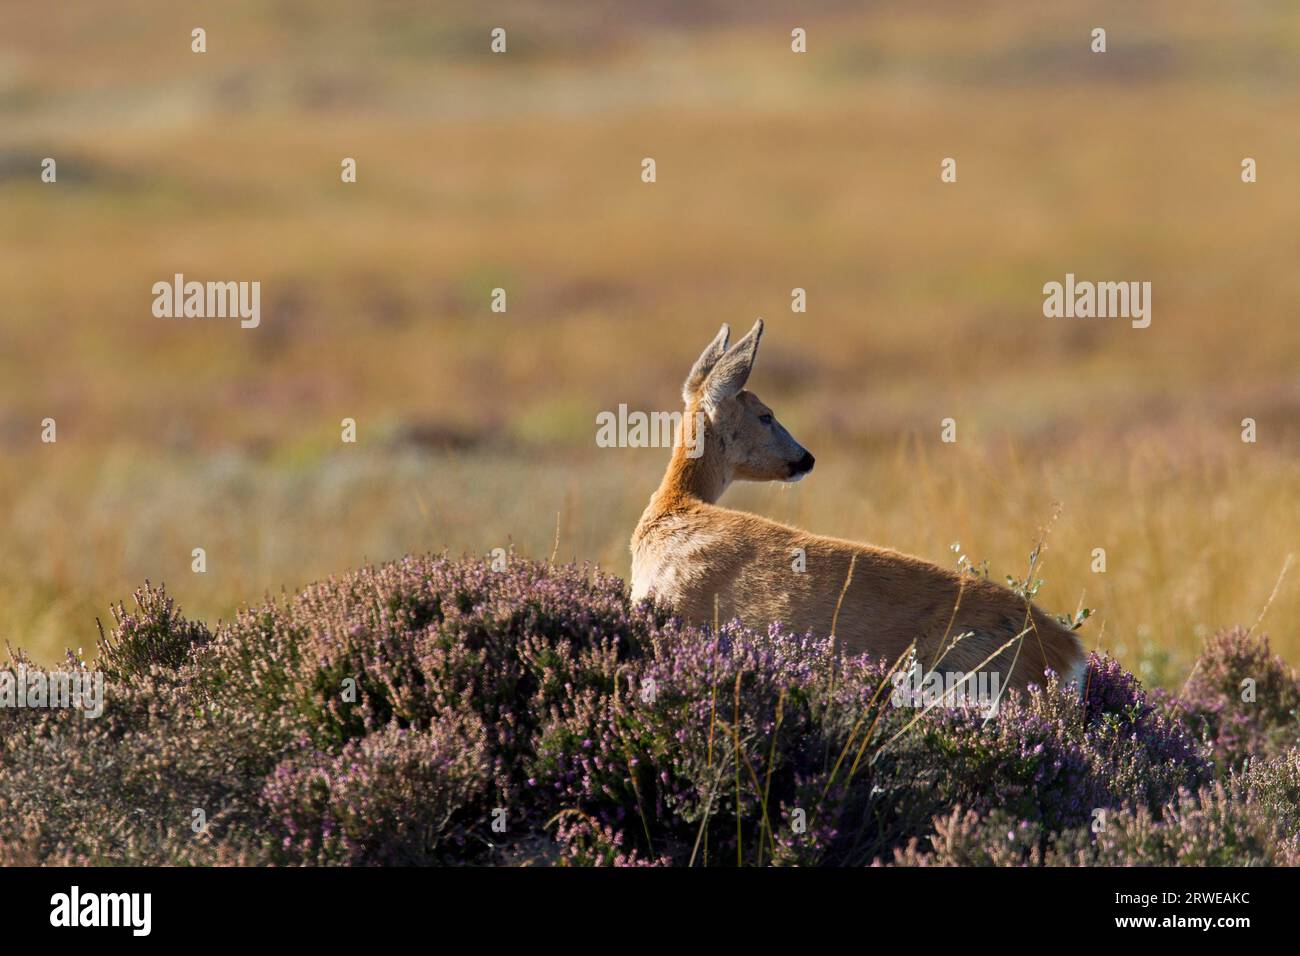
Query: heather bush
(1243, 699)
(397, 796)
(433, 710)
(584, 842)
(1048, 761)
(124, 787)
(154, 637)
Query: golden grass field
(775, 171)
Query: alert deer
(689, 552)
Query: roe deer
(689, 552)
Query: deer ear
(704, 364)
(732, 370)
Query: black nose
(806, 462)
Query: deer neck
(697, 471)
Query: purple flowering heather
(433, 710)
(1242, 699)
(396, 796)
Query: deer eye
(765, 419)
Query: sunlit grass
(775, 171)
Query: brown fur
(689, 552)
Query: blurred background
(476, 430)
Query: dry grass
(775, 171)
